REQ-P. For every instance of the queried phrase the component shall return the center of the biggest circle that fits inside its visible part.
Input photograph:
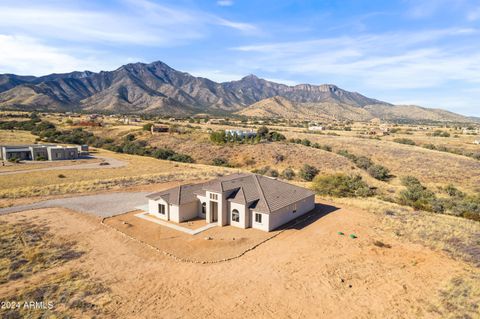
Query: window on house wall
(161, 209)
(294, 208)
(235, 216)
(258, 218)
(213, 196)
(204, 208)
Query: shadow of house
(320, 210)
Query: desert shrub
(61, 176)
(363, 162)
(279, 158)
(441, 133)
(14, 160)
(308, 172)
(181, 158)
(341, 185)
(405, 141)
(262, 131)
(379, 172)
(220, 161)
(272, 173)
(147, 127)
(306, 142)
(129, 137)
(416, 195)
(163, 153)
(429, 146)
(218, 137)
(288, 174)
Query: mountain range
(156, 88)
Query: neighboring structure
(38, 152)
(240, 200)
(159, 129)
(476, 142)
(241, 133)
(316, 128)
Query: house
(159, 129)
(316, 128)
(476, 142)
(240, 200)
(37, 152)
(241, 133)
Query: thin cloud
(225, 3)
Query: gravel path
(112, 163)
(102, 205)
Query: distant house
(241, 133)
(240, 200)
(316, 128)
(476, 142)
(35, 152)
(216, 121)
(159, 128)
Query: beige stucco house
(240, 200)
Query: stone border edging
(193, 261)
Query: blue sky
(406, 52)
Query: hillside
(156, 88)
(280, 107)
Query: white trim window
(294, 210)
(213, 196)
(258, 218)
(235, 216)
(161, 209)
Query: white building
(240, 200)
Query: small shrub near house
(220, 161)
(308, 172)
(405, 141)
(416, 195)
(288, 174)
(375, 170)
(267, 171)
(341, 185)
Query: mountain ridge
(156, 88)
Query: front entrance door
(214, 211)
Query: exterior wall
(244, 220)
(265, 221)
(71, 153)
(202, 200)
(55, 153)
(186, 211)
(39, 152)
(153, 208)
(174, 213)
(285, 214)
(222, 209)
(20, 153)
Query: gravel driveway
(102, 205)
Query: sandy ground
(308, 272)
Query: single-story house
(240, 200)
(35, 152)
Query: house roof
(263, 194)
(178, 195)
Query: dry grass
(140, 170)
(28, 248)
(16, 137)
(433, 168)
(458, 237)
(69, 294)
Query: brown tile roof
(258, 192)
(178, 195)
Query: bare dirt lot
(309, 272)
